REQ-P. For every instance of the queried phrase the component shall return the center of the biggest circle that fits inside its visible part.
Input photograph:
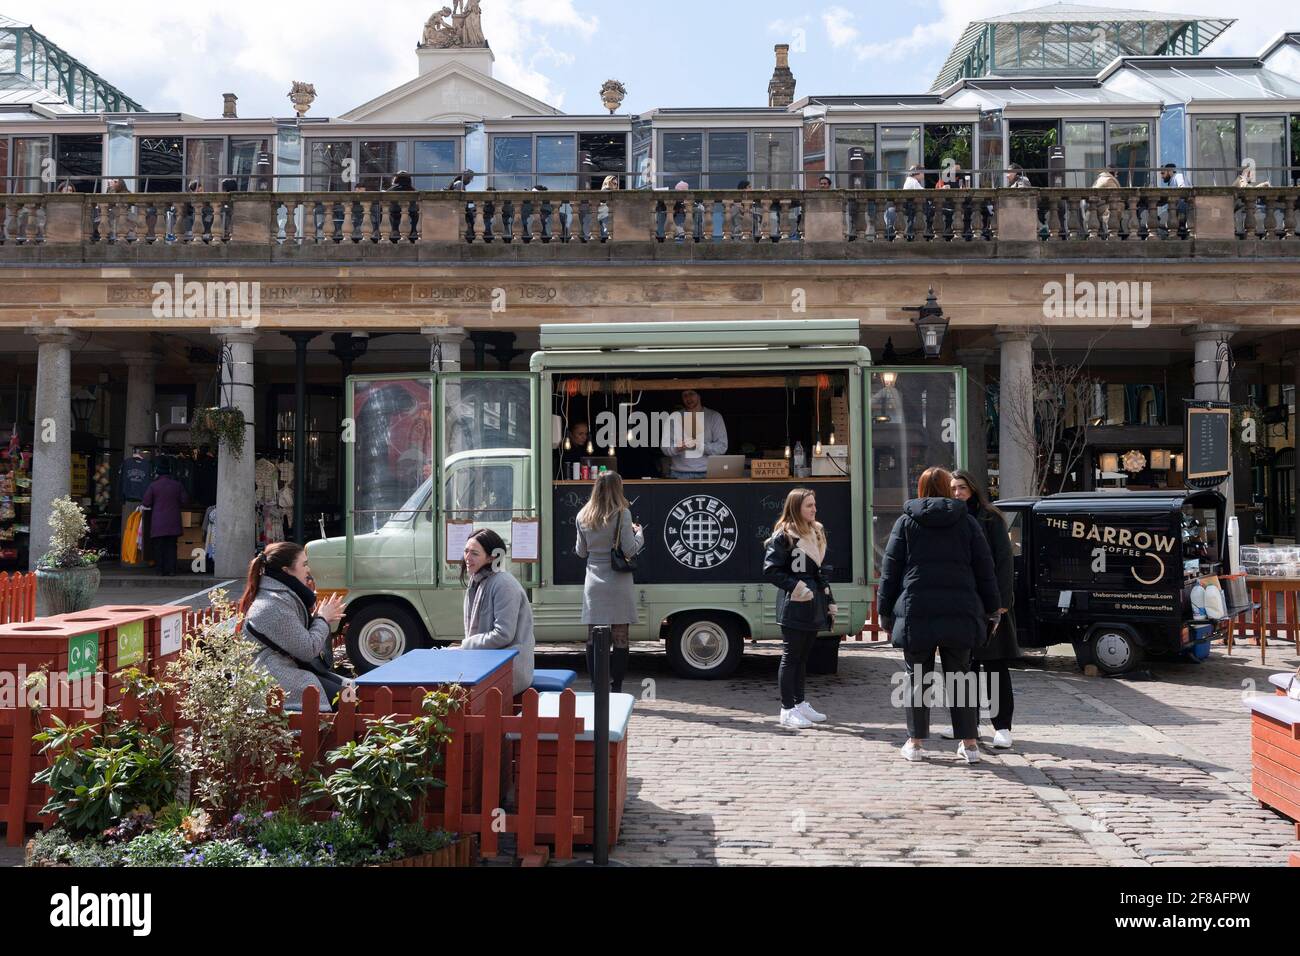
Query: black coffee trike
(1113, 572)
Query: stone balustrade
(807, 224)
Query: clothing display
(133, 538)
(134, 477)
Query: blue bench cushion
(552, 680)
(1271, 705)
(620, 712)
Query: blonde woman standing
(804, 603)
(605, 522)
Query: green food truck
(433, 456)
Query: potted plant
(219, 427)
(67, 575)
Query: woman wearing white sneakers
(804, 603)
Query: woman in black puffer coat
(937, 592)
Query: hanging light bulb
(611, 451)
(568, 445)
(817, 448)
(591, 449)
(832, 438)
(787, 451)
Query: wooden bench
(1275, 753)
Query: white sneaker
(1002, 740)
(910, 752)
(793, 719)
(806, 709)
(970, 756)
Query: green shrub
(382, 782)
(58, 847)
(98, 775)
(159, 848)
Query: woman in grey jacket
(282, 617)
(607, 595)
(498, 615)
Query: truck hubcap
(704, 645)
(381, 641)
(1114, 650)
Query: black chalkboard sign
(1208, 445)
(705, 532)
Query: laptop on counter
(725, 466)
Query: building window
(600, 154)
(728, 160)
(557, 161)
(683, 159)
(30, 153)
(378, 161)
(900, 149)
(1216, 159)
(246, 155)
(326, 162)
(434, 164)
(512, 162)
(80, 160)
(947, 144)
(855, 157)
(203, 162)
(1130, 151)
(161, 163)
(1085, 153)
(774, 160)
(1264, 141)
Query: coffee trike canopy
(1114, 572)
(438, 455)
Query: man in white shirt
(915, 178)
(1171, 178)
(702, 434)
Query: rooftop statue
(460, 25)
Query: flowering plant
(68, 530)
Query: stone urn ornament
(67, 575)
(612, 94)
(302, 96)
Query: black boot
(618, 668)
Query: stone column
(52, 438)
(1211, 377)
(140, 421)
(450, 339)
(236, 536)
(977, 457)
(1016, 450)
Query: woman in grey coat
(293, 634)
(498, 615)
(608, 597)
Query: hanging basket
(219, 427)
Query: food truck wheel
(1115, 650)
(705, 646)
(382, 632)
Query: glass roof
(1190, 84)
(1070, 39)
(28, 56)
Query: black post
(300, 340)
(601, 637)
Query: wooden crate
(1275, 755)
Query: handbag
(320, 666)
(617, 559)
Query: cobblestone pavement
(1124, 772)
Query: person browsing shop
(702, 433)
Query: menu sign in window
(1209, 452)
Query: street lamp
(83, 406)
(930, 324)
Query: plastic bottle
(1198, 602)
(799, 459)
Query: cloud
(839, 26)
(191, 54)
